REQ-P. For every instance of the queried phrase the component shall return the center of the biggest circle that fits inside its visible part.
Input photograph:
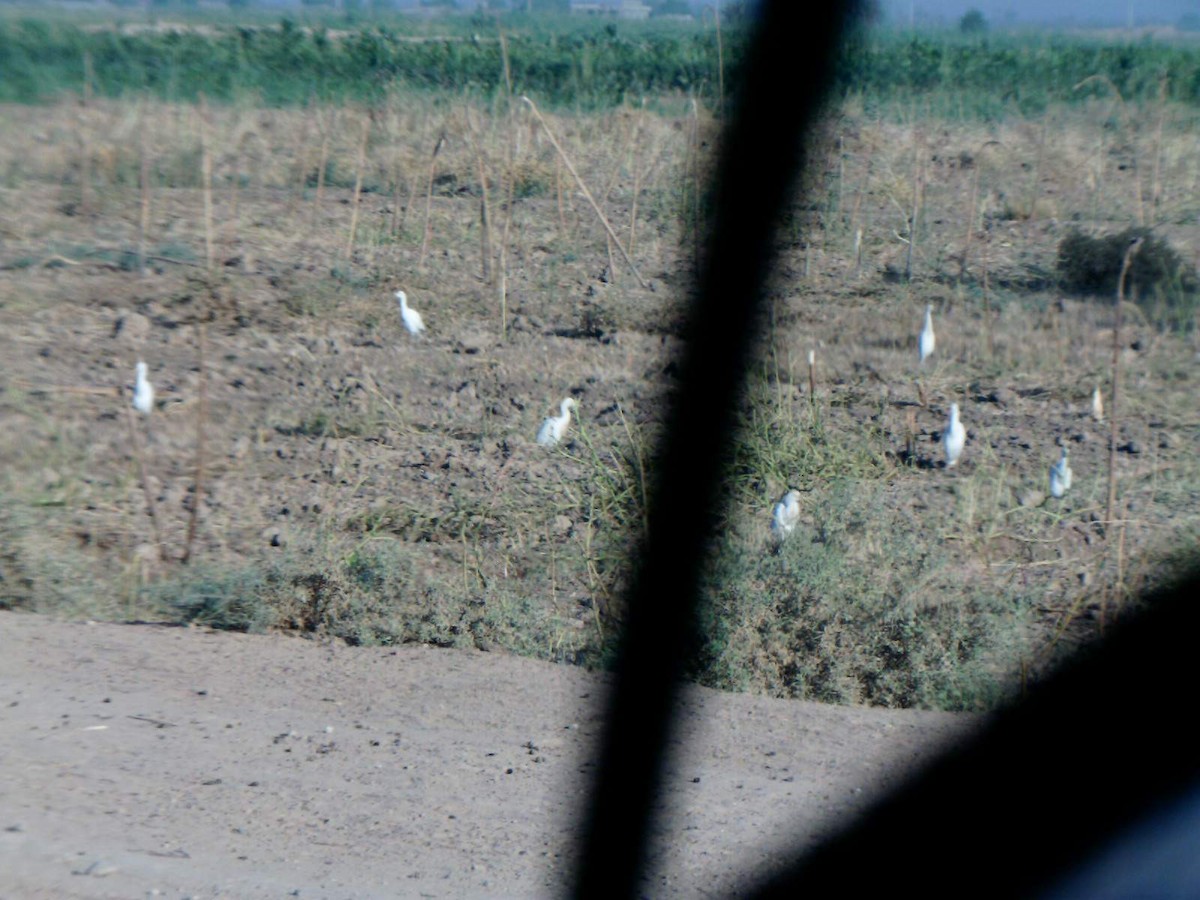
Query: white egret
(554, 427)
(1097, 405)
(954, 438)
(785, 515)
(412, 318)
(927, 340)
(1060, 476)
(143, 392)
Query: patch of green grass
(368, 596)
(855, 608)
(788, 442)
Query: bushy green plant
(845, 612)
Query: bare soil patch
(199, 763)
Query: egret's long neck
(565, 408)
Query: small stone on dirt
(1031, 497)
(473, 341)
(133, 328)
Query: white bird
(554, 427)
(143, 392)
(412, 318)
(928, 340)
(1060, 476)
(785, 515)
(1097, 405)
(954, 438)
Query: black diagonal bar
(783, 83)
(1101, 745)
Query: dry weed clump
(1159, 278)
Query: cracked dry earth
(146, 761)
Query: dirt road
(149, 761)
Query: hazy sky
(1100, 12)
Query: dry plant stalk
(502, 266)
(85, 137)
(987, 311)
(694, 171)
(139, 452)
(1125, 123)
(485, 212)
(201, 428)
(910, 436)
(485, 224)
(504, 59)
(812, 376)
(720, 59)
(397, 191)
(971, 226)
(301, 175)
(1156, 185)
(512, 149)
(322, 162)
(586, 193)
(558, 191)
(206, 184)
(358, 180)
(918, 190)
(144, 184)
(641, 178)
(437, 148)
(1035, 176)
(637, 189)
(1130, 252)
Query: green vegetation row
(588, 67)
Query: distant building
(632, 9)
(592, 9)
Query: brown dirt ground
(146, 761)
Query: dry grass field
(311, 466)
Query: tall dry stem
(1130, 252)
(144, 185)
(358, 180)
(1035, 175)
(694, 171)
(139, 452)
(85, 138)
(918, 190)
(322, 162)
(206, 184)
(201, 429)
(302, 157)
(586, 193)
(1156, 180)
(502, 266)
(720, 59)
(428, 229)
(485, 212)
